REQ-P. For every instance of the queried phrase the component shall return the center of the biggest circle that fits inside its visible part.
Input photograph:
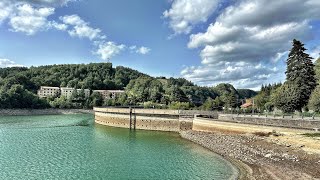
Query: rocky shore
(29, 112)
(257, 157)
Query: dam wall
(148, 119)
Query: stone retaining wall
(29, 112)
(148, 119)
(307, 123)
(142, 122)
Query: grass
(312, 134)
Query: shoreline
(256, 157)
(51, 111)
(242, 170)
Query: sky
(242, 42)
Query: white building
(67, 92)
(47, 91)
(109, 94)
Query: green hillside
(18, 87)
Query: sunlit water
(60, 147)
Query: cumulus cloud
(30, 20)
(8, 63)
(257, 33)
(241, 74)
(143, 50)
(58, 26)
(107, 50)
(81, 28)
(6, 9)
(184, 14)
(31, 16)
(49, 2)
(140, 50)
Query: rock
(275, 133)
(268, 155)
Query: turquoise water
(58, 147)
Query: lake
(64, 147)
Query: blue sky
(242, 42)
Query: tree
(217, 104)
(260, 100)
(18, 97)
(177, 95)
(287, 97)
(208, 104)
(317, 69)
(231, 100)
(300, 74)
(96, 99)
(74, 95)
(314, 102)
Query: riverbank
(257, 157)
(30, 112)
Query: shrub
(314, 101)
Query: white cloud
(58, 26)
(252, 32)
(74, 20)
(139, 50)
(143, 50)
(30, 20)
(81, 28)
(6, 9)
(107, 50)
(49, 2)
(31, 16)
(133, 47)
(8, 63)
(184, 14)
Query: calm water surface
(57, 147)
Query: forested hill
(19, 84)
(91, 76)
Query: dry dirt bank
(288, 155)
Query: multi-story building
(114, 93)
(104, 93)
(67, 92)
(46, 91)
(109, 94)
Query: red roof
(245, 105)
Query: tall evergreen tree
(317, 69)
(300, 71)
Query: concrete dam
(149, 119)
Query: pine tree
(300, 72)
(317, 69)
(231, 101)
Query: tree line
(19, 85)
